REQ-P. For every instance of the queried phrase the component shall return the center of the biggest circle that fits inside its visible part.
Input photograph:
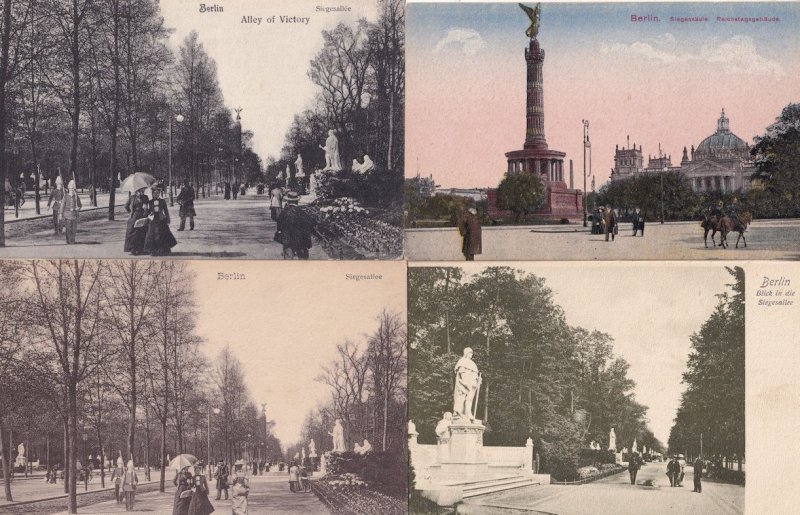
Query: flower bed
(344, 221)
(349, 494)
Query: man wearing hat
(186, 201)
(70, 207)
(294, 230)
(222, 479)
(56, 197)
(470, 229)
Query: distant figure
(183, 493)
(186, 203)
(294, 477)
(610, 222)
(275, 201)
(638, 222)
(70, 208)
(227, 194)
(222, 479)
(673, 471)
(698, 475)
(634, 464)
(159, 239)
(54, 202)
(116, 478)
(235, 189)
(470, 230)
(129, 482)
(294, 229)
(138, 205)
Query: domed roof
(723, 138)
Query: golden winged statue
(533, 14)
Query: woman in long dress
(159, 239)
(239, 490)
(183, 495)
(200, 505)
(138, 206)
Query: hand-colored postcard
(603, 131)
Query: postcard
(602, 131)
(252, 130)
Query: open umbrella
(137, 181)
(182, 460)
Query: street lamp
(178, 118)
(208, 437)
(662, 193)
(585, 146)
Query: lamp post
(178, 118)
(662, 193)
(585, 146)
(208, 439)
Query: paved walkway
(615, 495)
(28, 209)
(766, 239)
(268, 494)
(223, 229)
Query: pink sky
(465, 111)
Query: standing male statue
(468, 380)
(612, 440)
(333, 161)
(338, 436)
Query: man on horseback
(732, 212)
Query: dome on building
(722, 139)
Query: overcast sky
(284, 320)
(262, 68)
(649, 309)
(659, 82)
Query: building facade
(721, 162)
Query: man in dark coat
(294, 229)
(470, 230)
(610, 222)
(222, 479)
(638, 222)
(186, 201)
(634, 463)
(698, 475)
(673, 470)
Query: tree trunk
(5, 453)
(65, 461)
(72, 428)
(163, 454)
(5, 36)
(76, 99)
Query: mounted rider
(732, 211)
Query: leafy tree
(713, 404)
(520, 193)
(777, 154)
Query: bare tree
(387, 362)
(347, 378)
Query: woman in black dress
(159, 240)
(200, 504)
(138, 206)
(183, 495)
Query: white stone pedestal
(460, 457)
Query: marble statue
(21, 450)
(312, 183)
(364, 167)
(338, 436)
(634, 447)
(312, 449)
(287, 174)
(533, 13)
(332, 159)
(468, 381)
(362, 449)
(612, 440)
(303, 455)
(298, 164)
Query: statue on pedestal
(468, 381)
(298, 164)
(612, 440)
(338, 436)
(362, 449)
(332, 159)
(533, 13)
(364, 167)
(312, 449)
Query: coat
(137, 206)
(129, 481)
(295, 228)
(200, 505)
(470, 229)
(56, 196)
(159, 239)
(181, 503)
(186, 201)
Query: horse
(726, 225)
(710, 223)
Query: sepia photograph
(177, 387)
(602, 131)
(236, 129)
(609, 388)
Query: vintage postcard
(602, 131)
(203, 386)
(202, 129)
(616, 388)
